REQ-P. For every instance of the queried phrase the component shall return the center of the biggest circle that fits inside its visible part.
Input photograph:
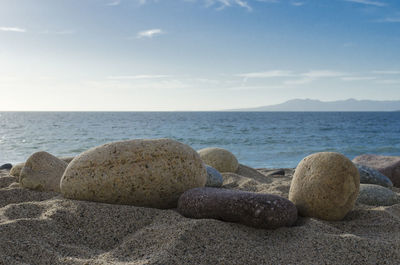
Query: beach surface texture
(45, 228)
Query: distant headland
(340, 105)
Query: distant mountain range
(340, 105)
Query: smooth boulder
(387, 165)
(325, 185)
(214, 178)
(151, 173)
(16, 170)
(219, 158)
(42, 171)
(372, 176)
(376, 195)
(252, 209)
(7, 166)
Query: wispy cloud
(297, 3)
(367, 2)
(392, 19)
(267, 74)
(386, 72)
(358, 78)
(59, 32)
(389, 81)
(13, 29)
(149, 33)
(114, 3)
(322, 74)
(136, 77)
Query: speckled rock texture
(387, 165)
(372, 176)
(214, 178)
(16, 170)
(42, 171)
(151, 173)
(325, 185)
(219, 158)
(252, 209)
(376, 195)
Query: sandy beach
(44, 228)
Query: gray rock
(248, 208)
(376, 195)
(42, 171)
(371, 176)
(150, 173)
(6, 166)
(214, 178)
(387, 165)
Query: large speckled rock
(219, 158)
(42, 171)
(376, 195)
(16, 170)
(214, 178)
(325, 185)
(152, 173)
(387, 165)
(371, 176)
(248, 208)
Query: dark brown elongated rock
(248, 208)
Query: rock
(214, 178)
(375, 195)
(16, 170)
(371, 176)
(278, 172)
(151, 173)
(67, 159)
(325, 185)
(220, 159)
(248, 208)
(42, 171)
(387, 165)
(6, 166)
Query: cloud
(389, 81)
(59, 32)
(149, 33)
(391, 20)
(114, 3)
(367, 2)
(322, 74)
(297, 3)
(267, 74)
(12, 29)
(386, 72)
(358, 78)
(136, 77)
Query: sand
(45, 228)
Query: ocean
(258, 139)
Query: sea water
(258, 139)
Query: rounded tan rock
(325, 185)
(16, 170)
(151, 173)
(42, 171)
(219, 158)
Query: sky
(195, 55)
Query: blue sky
(195, 54)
